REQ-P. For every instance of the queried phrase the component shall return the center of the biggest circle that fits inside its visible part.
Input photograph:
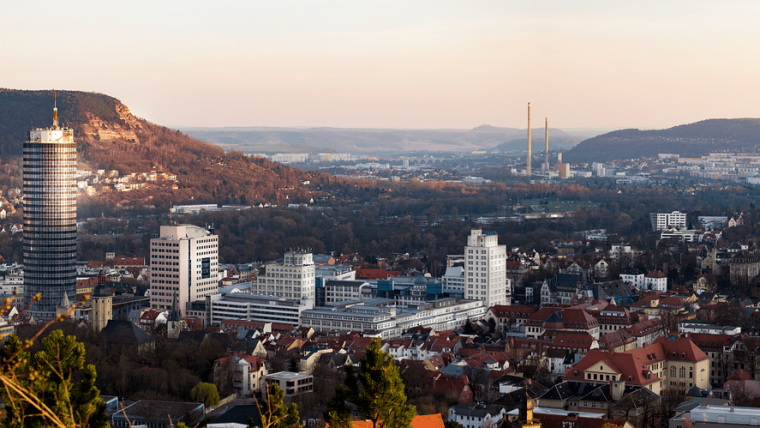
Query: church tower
(102, 304)
(526, 420)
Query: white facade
(292, 383)
(183, 266)
(485, 269)
(475, 415)
(292, 279)
(656, 281)
(390, 322)
(453, 279)
(635, 279)
(341, 291)
(254, 307)
(661, 221)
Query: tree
(274, 414)
(377, 392)
(40, 391)
(452, 424)
(205, 393)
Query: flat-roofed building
(254, 307)
(292, 383)
(382, 318)
(292, 279)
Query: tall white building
(485, 269)
(183, 267)
(292, 279)
(662, 221)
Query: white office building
(663, 221)
(485, 269)
(292, 279)
(254, 307)
(453, 279)
(183, 267)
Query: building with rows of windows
(50, 220)
(292, 279)
(183, 267)
(486, 269)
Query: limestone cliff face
(126, 128)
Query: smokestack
(529, 149)
(546, 151)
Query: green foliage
(274, 414)
(40, 391)
(205, 393)
(377, 392)
(452, 424)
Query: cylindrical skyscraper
(50, 218)
(527, 170)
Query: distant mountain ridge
(694, 139)
(370, 141)
(109, 137)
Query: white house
(247, 372)
(656, 281)
(634, 278)
(475, 415)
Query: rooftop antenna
(55, 109)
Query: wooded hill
(693, 140)
(109, 137)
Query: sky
(394, 64)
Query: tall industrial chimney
(527, 170)
(546, 150)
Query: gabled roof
(419, 421)
(125, 332)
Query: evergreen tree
(40, 391)
(377, 391)
(274, 414)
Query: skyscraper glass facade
(50, 216)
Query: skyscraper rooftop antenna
(55, 109)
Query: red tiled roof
(253, 360)
(129, 261)
(419, 421)
(508, 310)
(740, 375)
(362, 273)
(655, 274)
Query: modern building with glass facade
(50, 216)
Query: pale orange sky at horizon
(432, 64)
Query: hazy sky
(409, 64)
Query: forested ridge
(691, 140)
(109, 137)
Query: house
(507, 316)
(477, 415)
(247, 372)
(124, 336)
(743, 386)
(656, 281)
(672, 362)
(613, 318)
(601, 268)
(456, 388)
(633, 277)
(703, 284)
